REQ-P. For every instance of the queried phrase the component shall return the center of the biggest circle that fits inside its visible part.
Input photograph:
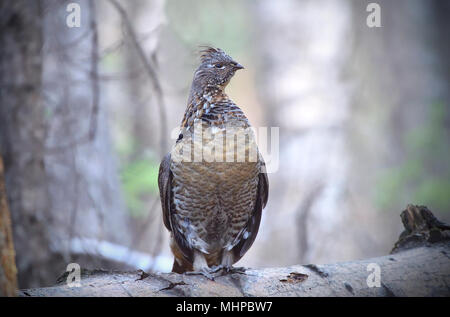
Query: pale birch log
(419, 265)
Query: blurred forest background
(87, 113)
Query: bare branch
(94, 73)
(151, 73)
(95, 89)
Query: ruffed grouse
(213, 184)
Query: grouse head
(215, 70)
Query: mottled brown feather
(179, 246)
(211, 208)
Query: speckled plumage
(212, 206)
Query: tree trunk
(22, 133)
(8, 270)
(60, 171)
(418, 266)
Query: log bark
(8, 270)
(419, 265)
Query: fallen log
(419, 265)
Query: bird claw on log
(216, 271)
(234, 269)
(204, 272)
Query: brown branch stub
(143, 275)
(295, 277)
(8, 270)
(421, 228)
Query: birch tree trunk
(22, 134)
(60, 171)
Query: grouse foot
(216, 271)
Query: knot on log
(421, 228)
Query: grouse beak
(238, 66)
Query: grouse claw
(204, 272)
(216, 271)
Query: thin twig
(95, 89)
(94, 73)
(136, 238)
(303, 214)
(151, 73)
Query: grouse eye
(219, 66)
